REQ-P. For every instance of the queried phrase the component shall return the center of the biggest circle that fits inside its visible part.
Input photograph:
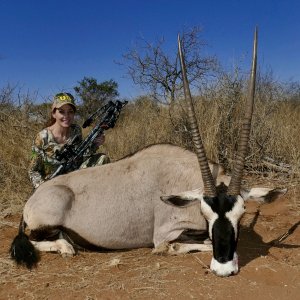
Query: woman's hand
(99, 140)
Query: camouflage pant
(97, 159)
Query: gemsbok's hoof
(64, 248)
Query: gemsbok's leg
(60, 246)
(180, 248)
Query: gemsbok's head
(222, 208)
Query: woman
(60, 130)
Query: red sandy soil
(269, 267)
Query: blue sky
(48, 46)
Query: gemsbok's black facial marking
(223, 231)
(220, 204)
(223, 239)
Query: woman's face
(64, 115)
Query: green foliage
(94, 94)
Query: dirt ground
(269, 259)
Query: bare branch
(158, 72)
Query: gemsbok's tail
(21, 249)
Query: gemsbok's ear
(262, 195)
(183, 199)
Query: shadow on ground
(252, 246)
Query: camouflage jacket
(43, 162)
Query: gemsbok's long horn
(209, 186)
(236, 179)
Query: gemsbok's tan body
(148, 199)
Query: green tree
(94, 95)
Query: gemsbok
(148, 199)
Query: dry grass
(275, 135)
(15, 144)
(137, 274)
